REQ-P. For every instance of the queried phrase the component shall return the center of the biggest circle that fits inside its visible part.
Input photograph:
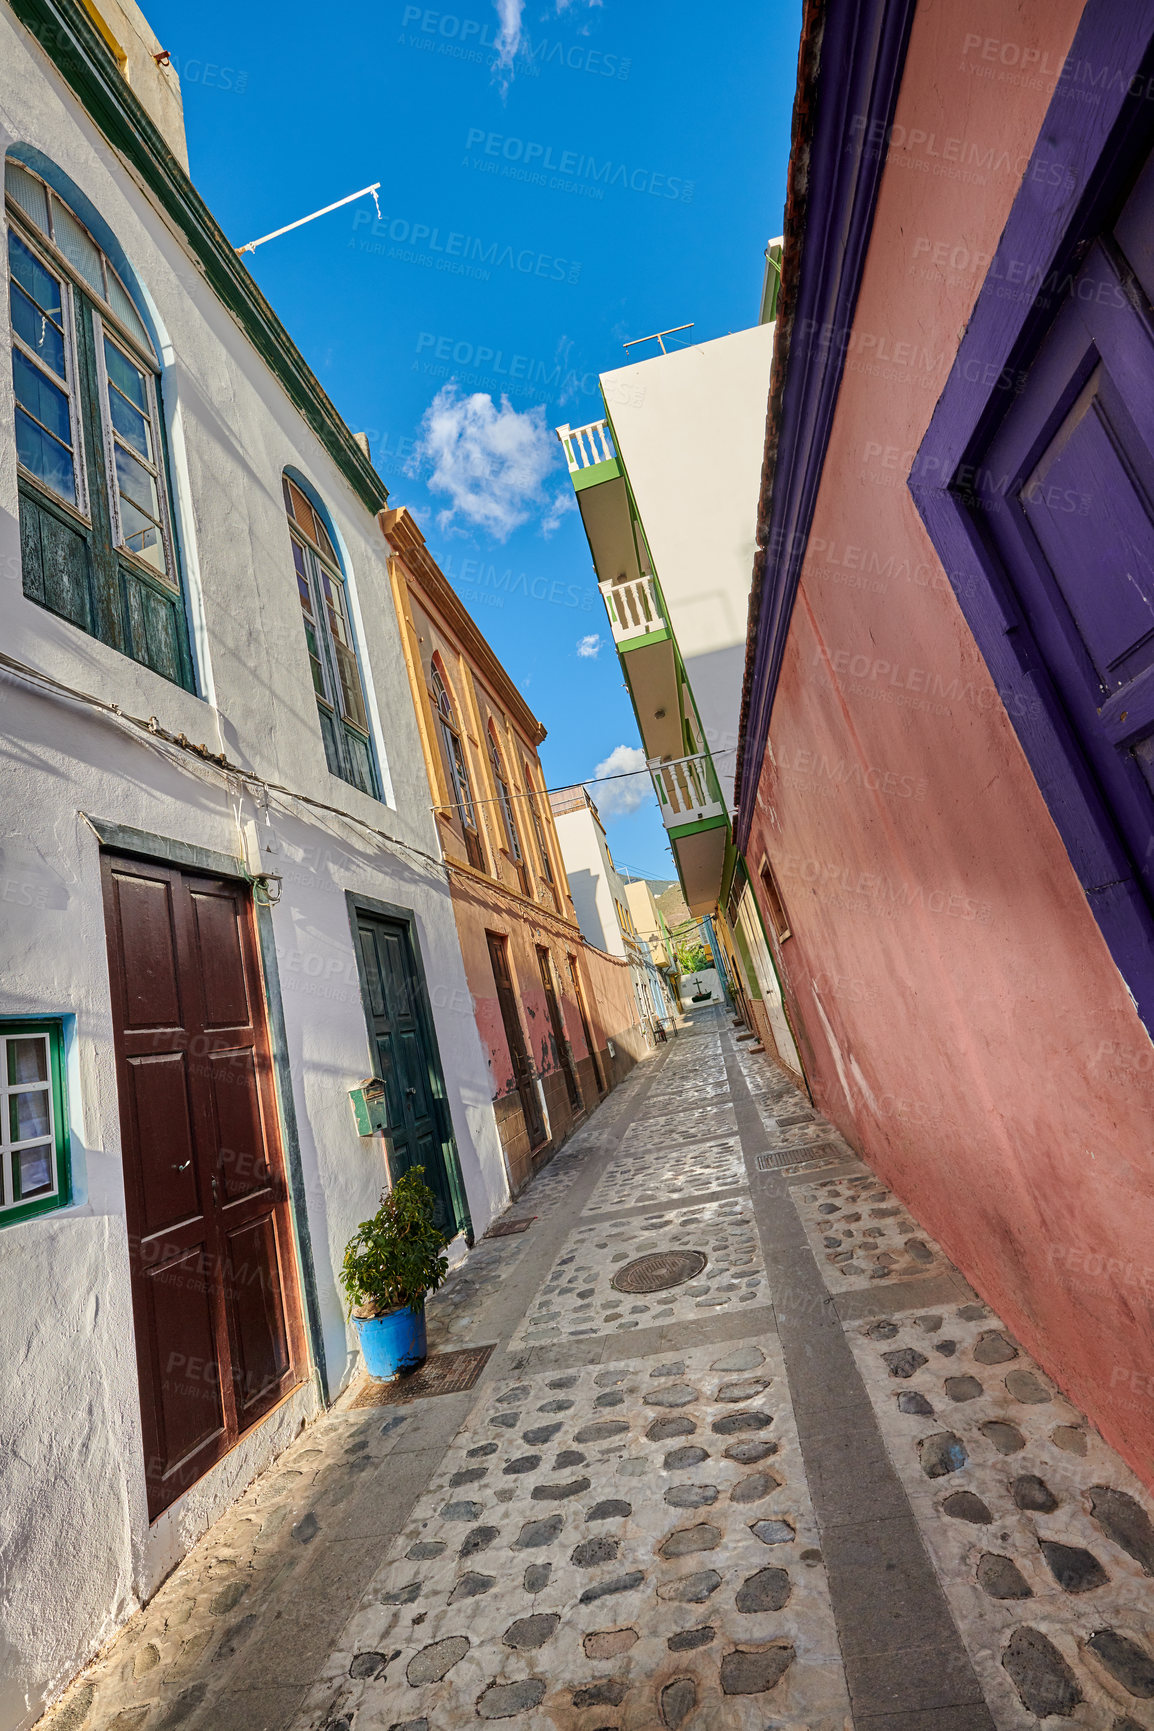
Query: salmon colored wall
(608, 994)
(960, 1016)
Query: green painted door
(406, 1058)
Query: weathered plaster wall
(960, 1016)
(481, 909)
(77, 1557)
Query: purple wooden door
(1066, 489)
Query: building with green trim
(667, 485)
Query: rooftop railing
(586, 446)
(633, 608)
(686, 790)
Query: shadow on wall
(583, 888)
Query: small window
(34, 1172)
(458, 769)
(774, 905)
(336, 673)
(96, 531)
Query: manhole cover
(655, 1273)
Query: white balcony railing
(633, 608)
(685, 791)
(585, 446)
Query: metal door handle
(215, 1192)
(183, 1167)
(410, 1090)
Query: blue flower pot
(394, 1342)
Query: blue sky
(508, 262)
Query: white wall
(77, 1547)
(690, 427)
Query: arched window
(332, 653)
(538, 826)
(505, 801)
(96, 529)
(456, 767)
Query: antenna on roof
(251, 246)
(657, 337)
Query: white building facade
(601, 903)
(222, 903)
(668, 486)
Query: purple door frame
(1086, 156)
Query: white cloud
(621, 798)
(559, 507)
(588, 648)
(509, 35)
(509, 15)
(490, 462)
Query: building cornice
(75, 47)
(849, 73)
(403, 533)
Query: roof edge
(403, 533)
(850, 66)
(71, 41)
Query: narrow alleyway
(786, 1472)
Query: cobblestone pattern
(451, 1313)
(631, 1547)
(859, 1233)
(668, 1172)
(1041, 1536)
(257, 1561)
(766, 1082)
(156, 1672)
(577, 1298)
(696, 1123)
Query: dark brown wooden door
(564, 1054)
(218, 1332)
(515, 1039)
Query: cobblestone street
(790, 1472)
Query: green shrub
(395, 1258)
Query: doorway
(407, 1059)
(590, 1044)
(564, 1055)
(523, 1077)
(219, 1338)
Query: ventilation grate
(443, 1373)
(507, 1228)
(824, 1151)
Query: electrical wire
(197, 757)
(569, 786)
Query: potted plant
(390, 1263)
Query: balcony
(633, 608)
(590, 453)
(687, 791)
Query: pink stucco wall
(960, 1016)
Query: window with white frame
(333, 661)
(34, 1174)
(96, 531)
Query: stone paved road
(814, 1485)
